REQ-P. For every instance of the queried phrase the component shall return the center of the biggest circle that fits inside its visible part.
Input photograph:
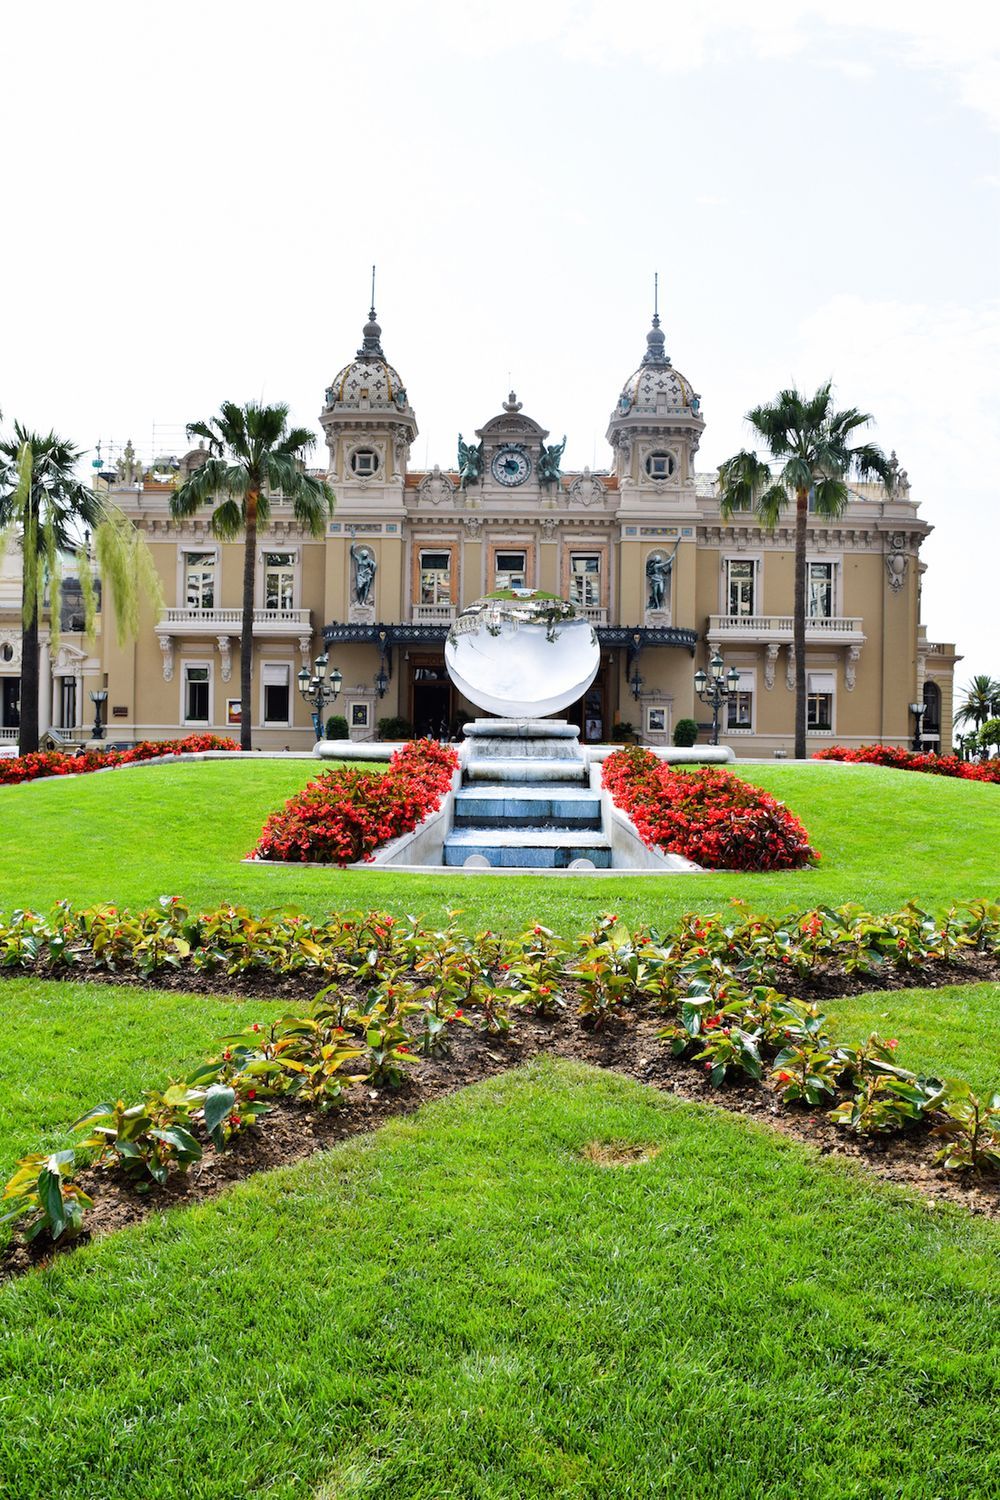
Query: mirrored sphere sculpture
(521, 653)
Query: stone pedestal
(535, 750)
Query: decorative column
(44, 687)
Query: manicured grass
(68, 1046)
(953, 1032)
(885, 836)
(465, 1306)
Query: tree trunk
(799, 621)
(246, 633)
(28, 732)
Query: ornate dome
(656, 387)
(369, 377)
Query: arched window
(932, 709)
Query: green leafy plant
(41, 1188)
(807, 1074)
(685, 733)
(146, 1139)
(969, 1127)
(336, 728)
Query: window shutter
(820, 682)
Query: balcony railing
(832, 628)
(183, 621)
(595, 613)
(432, 614)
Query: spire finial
(371, 347)
(656, 353)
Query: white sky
(195, 193)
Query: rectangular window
(739, 709)
(277, 693)
(585, 579)
(819, 701)
(279, 580)
(740, 586)
(509, 571)
(196, 694)
(199, 580)
(819, 590)
(435, 577)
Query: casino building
(640, 547)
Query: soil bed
(627, 1044)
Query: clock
(511, 465)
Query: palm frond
(772, 503)
(742, 478)
(830, 496)
(228, 521)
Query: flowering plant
(344, 815)
(708, 816)
(898, 759)
(57, 763)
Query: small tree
(49, 508)
(812, 443)
(988, 737)
(253, 457)
(982, 701)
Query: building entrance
(10, 703)
(591, 712)
(430, 698)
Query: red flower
(251, 1093)
(784, 1077)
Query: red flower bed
(57, 763)
(899, 759)
(344, 815)
(707, 815)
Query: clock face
(511, 465)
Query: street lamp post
(98, 698)
(715, 687)
(319, 690)
(918, 710)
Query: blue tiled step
(527, 807)
(528, 848)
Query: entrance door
(430, 696)
(67, 703)
(590, 713)
(10, 703)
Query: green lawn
(886, 836)
(953, 1032)
(68, 1046)
(464, 1306)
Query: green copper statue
(549, 471)
(470, 462)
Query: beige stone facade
(640, 546)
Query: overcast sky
(195, 194)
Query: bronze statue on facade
(470, 462)
(549, 460)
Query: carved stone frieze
(226, 656)
(587, 489)
(851, 667)
(437, 488)
(770, 660)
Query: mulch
(627, 1043)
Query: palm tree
(982, 700)
(252, 457)
(43, 500)
(811, 442)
